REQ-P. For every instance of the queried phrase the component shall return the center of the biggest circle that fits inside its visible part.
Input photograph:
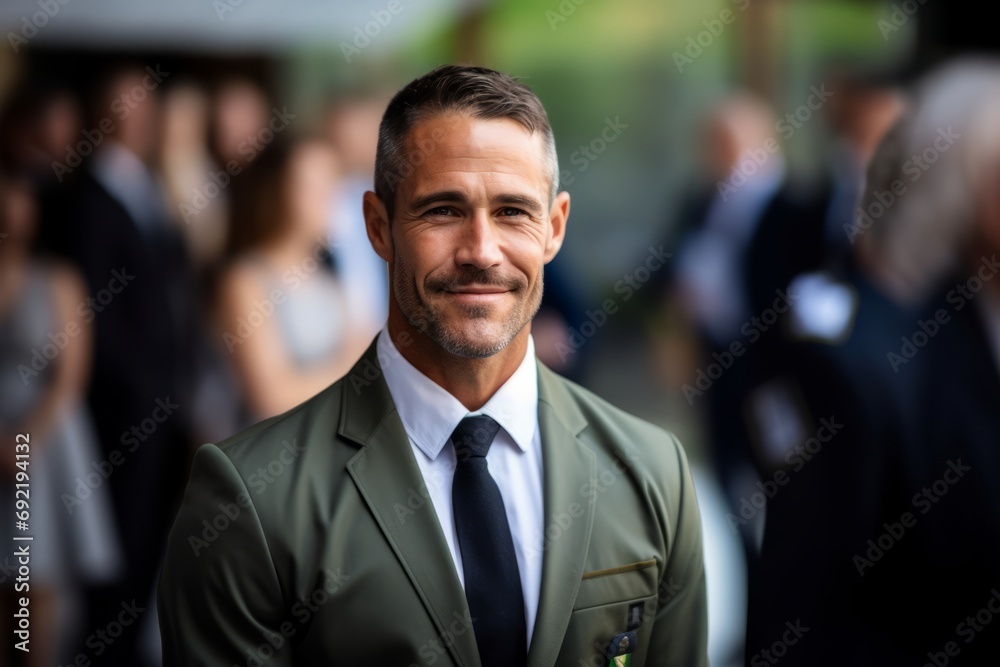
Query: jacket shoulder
(615, 434)
(304, 429)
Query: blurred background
(783, 223)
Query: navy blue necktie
(492, 579)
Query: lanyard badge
(620, 649)
(622, 645)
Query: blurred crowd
(849, 373)
(180, 259)
(178, 262)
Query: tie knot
(473, 436)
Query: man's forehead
(458, 142)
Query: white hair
(925, 233)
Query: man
(143, 305)
(830, 402)
(450, 501)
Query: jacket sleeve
(219, 598)
(680, 631)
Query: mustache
(479, 277)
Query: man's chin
(475, 341)
(459, 308)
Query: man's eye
(440, 211)
(511, 212)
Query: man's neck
(472, 381)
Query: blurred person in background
(40, 126)
(45, 353)
(861, 111)
(733, 200)
(283, 314)
(808, 239)
(198, 193)
(351, 126)
(953, 475)
(196, 186)
(59, 120)
(557, 324)
(41, 120)
(239, 112)
(858, 448)
(832, 420)
(146, 330)
(711, 282)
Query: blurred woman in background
(45, 354)
(282, 311)
(195, 184)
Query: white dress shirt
(129, 182)
(710, 261)
(430, 414)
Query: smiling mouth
(484, 290)
(476, 294)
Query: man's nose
(479, 244)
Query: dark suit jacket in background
(145, 330)
(957, 574)
(842, 496)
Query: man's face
(472, 231)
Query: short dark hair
(480, 92)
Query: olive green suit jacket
(309, 539)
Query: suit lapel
(388, 478)
(569, 466)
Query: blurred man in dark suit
(724, 278)
(829, 427)
(954, 476)
(853, 541)
(140, 302)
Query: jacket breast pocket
(610, 602)
(631, 581)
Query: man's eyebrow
(454, 196)
(436, 197)
(524, 201)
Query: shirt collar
(430, 414)
(124, 176)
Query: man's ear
(558, 216)
(377, 226)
